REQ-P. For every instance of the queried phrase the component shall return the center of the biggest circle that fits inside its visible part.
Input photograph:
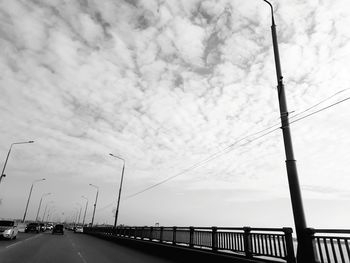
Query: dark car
(57, 229)
(42, 227)
(32, 227)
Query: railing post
(214, 238)
(290, 257)
(151, 234)
(161, 234)
(174, 235)
(141, 235)
(310, 232)
(191, 236)
(247, 242)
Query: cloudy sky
(185, 92)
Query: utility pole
(305, 253)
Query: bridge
(174, 244)
(225, 244)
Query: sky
(185, 92)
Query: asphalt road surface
(69, 248)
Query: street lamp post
(86, 205)
(79, 212)
(51, 210)
(305, 246)
(43, 218)
(75, 216)
(120, 188)
(93, 214)
(7, 157)
(30, 193)
(41, 199)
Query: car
(42, 227)
(58, 229)
(32, 227)
(8, 229)
(78, 229)
(49, 226)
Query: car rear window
(6, 223)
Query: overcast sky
(166, 85)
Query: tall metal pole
(305, 247)
(41, 199)
(79, 212)
(3, 169)
(86, 205)
(75, 217)
(30, 193)
(7, 157)
(93, 214)
(120, 189)
(43, 218)
(48, 215)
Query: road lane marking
(14, 244)
(75, 248)
(82, 258)
(19, 242)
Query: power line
(322, 109)
(106, 206)
(211, 157)
(231, 146)
(315, 105)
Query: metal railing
(331, 245)
(269, 243)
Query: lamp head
(30, 141)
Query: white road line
(19, 242)
(14, 244)
(83, 259)
(75, 247)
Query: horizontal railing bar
(245, 241)
(332, 231)
(210, 228)
(331, 237)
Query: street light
(120, 188)
(30, 193)
(93, 214)
(8, 154)
(79, 212)
(41, 199)
(87, 201)
(75, 216)
(51, 210)
(305, 247)
(42, 220)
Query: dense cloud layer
(165, 84)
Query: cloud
(167, 83)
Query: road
(69, 248)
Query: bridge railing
(269, 243)
(331, 245)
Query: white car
(78, 229)
(8, 229)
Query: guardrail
(266, 243)
(331, 245)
